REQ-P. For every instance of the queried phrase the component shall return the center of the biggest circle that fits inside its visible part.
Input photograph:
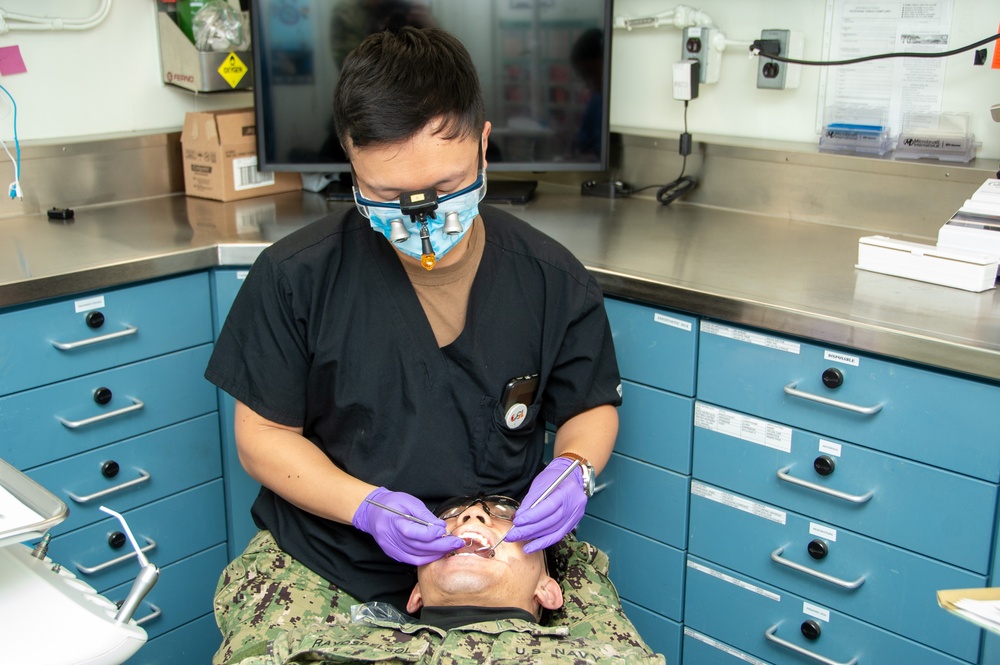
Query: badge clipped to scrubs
(517, 395)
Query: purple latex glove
(557, 515)
(400, 538)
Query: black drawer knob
(818, 549)
(102, 395)
(833, 378)
(94, 319)
(810, 630)
(824, 465)
(110, 469)
(117, 540)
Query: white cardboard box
(956, 268)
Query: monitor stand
(510, 191)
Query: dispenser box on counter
(220, 158)
(184, 66)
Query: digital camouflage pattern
(271, 609)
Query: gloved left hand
(400, 538)
(557, 514)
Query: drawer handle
(843, 584)
(69, 346)
(143, 477)
(770, 636)
(90, 570)
(790, 389)
(853, 498)
(73, 424)
(156, 612)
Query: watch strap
(586, 468)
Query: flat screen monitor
(543, 64)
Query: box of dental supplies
(976, 225)
(211, 61)
(219, 151)
(960, 269)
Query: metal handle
(69, 346)
(73, 424)
(156, 612)
(844, 496)
(143, 477)
(843, 584)
(90, 570)
(600, 488)
(847, 406)
(771, 637)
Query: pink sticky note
(11, 61)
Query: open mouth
(475, 545)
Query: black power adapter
(608, 189)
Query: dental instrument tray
(27, 510)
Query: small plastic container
(856, 130)
(942, 136)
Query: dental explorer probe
(544, 496)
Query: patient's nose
(475, 512)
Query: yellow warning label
(232, 70)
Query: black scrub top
(327, 334)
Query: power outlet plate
(696, 44)
(771, 74)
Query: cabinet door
(655, 347)
(867, 579)
(41, 344)
(936, 418)
(889, 498)
(655, 426)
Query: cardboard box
(220, 158)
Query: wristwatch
(589, 475)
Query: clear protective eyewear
(496, 506)
(365, 203)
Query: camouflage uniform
(271, 609)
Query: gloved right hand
(400, 538)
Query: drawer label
(739, 335)
(738, 502)
(725, 648)
(732, 580)
(87, 304)
(833, 356)
(830, 447)
(816, 612)
(671, 321)
(744, 427)
(824, 532)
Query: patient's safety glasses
(495, 505)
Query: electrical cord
(14, 189)
(759, 48)
(670, 192)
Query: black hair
(396, 81)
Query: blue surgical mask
(452, 219)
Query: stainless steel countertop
(780, 275)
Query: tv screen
(543, 64)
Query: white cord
(679, 17)
(14, 21)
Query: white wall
(642, 59)
(107, 80)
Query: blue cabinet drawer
(888, 498)
(655, 347)
(645, 572)
(184, 592)
(149, 467)
(660, 633)
(864, 578)
(138, 322)
(701, 649)
(769, 623)
(44, 424)
(932, 417)
(655, 426)
(226, 284)
(194, 642)
(643, 498)
(171, 529)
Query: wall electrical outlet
(697, 45)
(774, 75)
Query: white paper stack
(976, 225)
(960, 269)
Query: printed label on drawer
(242, 274)
(833, 356)
(816, 612)
(732, 580)
(823, 532)
(738, 502)
(725, 648)
(671, 321)
(88, 304)
(739, 335)
(829, 447)
(737, 425)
